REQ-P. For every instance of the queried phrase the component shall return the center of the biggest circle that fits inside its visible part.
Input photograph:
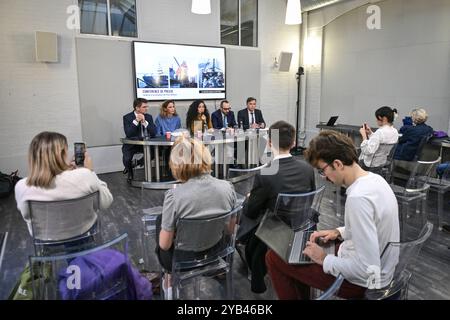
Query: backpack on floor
(7, 183)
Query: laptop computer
(332, 121)
(287, 243)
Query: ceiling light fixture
(293, 12)
(201, 6)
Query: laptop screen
(332, 121)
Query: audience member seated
(386, 134)
(440, 172)
(224, 117)
(250, 117)
(198, 196)
(168, 119)
(198, 117)
(53, 178)
(409, 142)
(138, 125)
(371, 222)
(292, 176)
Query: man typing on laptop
(371, 222)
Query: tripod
(298, 150)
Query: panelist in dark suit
(293, 176)
(251, 117)
(224, 117)
(138, 125)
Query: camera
(80, 149)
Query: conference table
(221, 144)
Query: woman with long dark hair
(198, 117)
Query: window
(239, 22)
(108, 17)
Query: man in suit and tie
(138, 125)
(224, 117)
(251, 117)
(293, 176)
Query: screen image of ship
(210, 75)
(153, 80)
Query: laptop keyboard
(298, 245)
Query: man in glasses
(138, 125)
(224, 117)
(371, 222)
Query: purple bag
(440, 134)
(99, 272)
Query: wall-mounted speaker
(285, 61)
(46, 44)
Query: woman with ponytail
(385, 134)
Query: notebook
(287, 243)
(332, 121)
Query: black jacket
(294, 176)
(217, 119)
(243, 117)
(136, 132)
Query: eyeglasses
(321, 171)
(226, 109)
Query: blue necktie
(225, 122)
(253, 118)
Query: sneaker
(446, 228)
(167, 291)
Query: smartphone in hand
(80, 149)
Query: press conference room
(225, 150)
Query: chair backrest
(64, 219)
(333, 289)
(3, 239)
(383, 155)
(243, 179)
(417, 181)
(297, 210)
(199, 242)
(99, 273)
(398, 256)
(421, 146)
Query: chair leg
(403, 216)
(424, 210)
(440, 210)
(229, 279)
(197, 288)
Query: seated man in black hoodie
(293, 176)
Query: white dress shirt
(250, 117)
(137, 123)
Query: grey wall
(405, 64)
(106, 88)
(35, 96)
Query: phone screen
(80, 149)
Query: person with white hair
(412, 135)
